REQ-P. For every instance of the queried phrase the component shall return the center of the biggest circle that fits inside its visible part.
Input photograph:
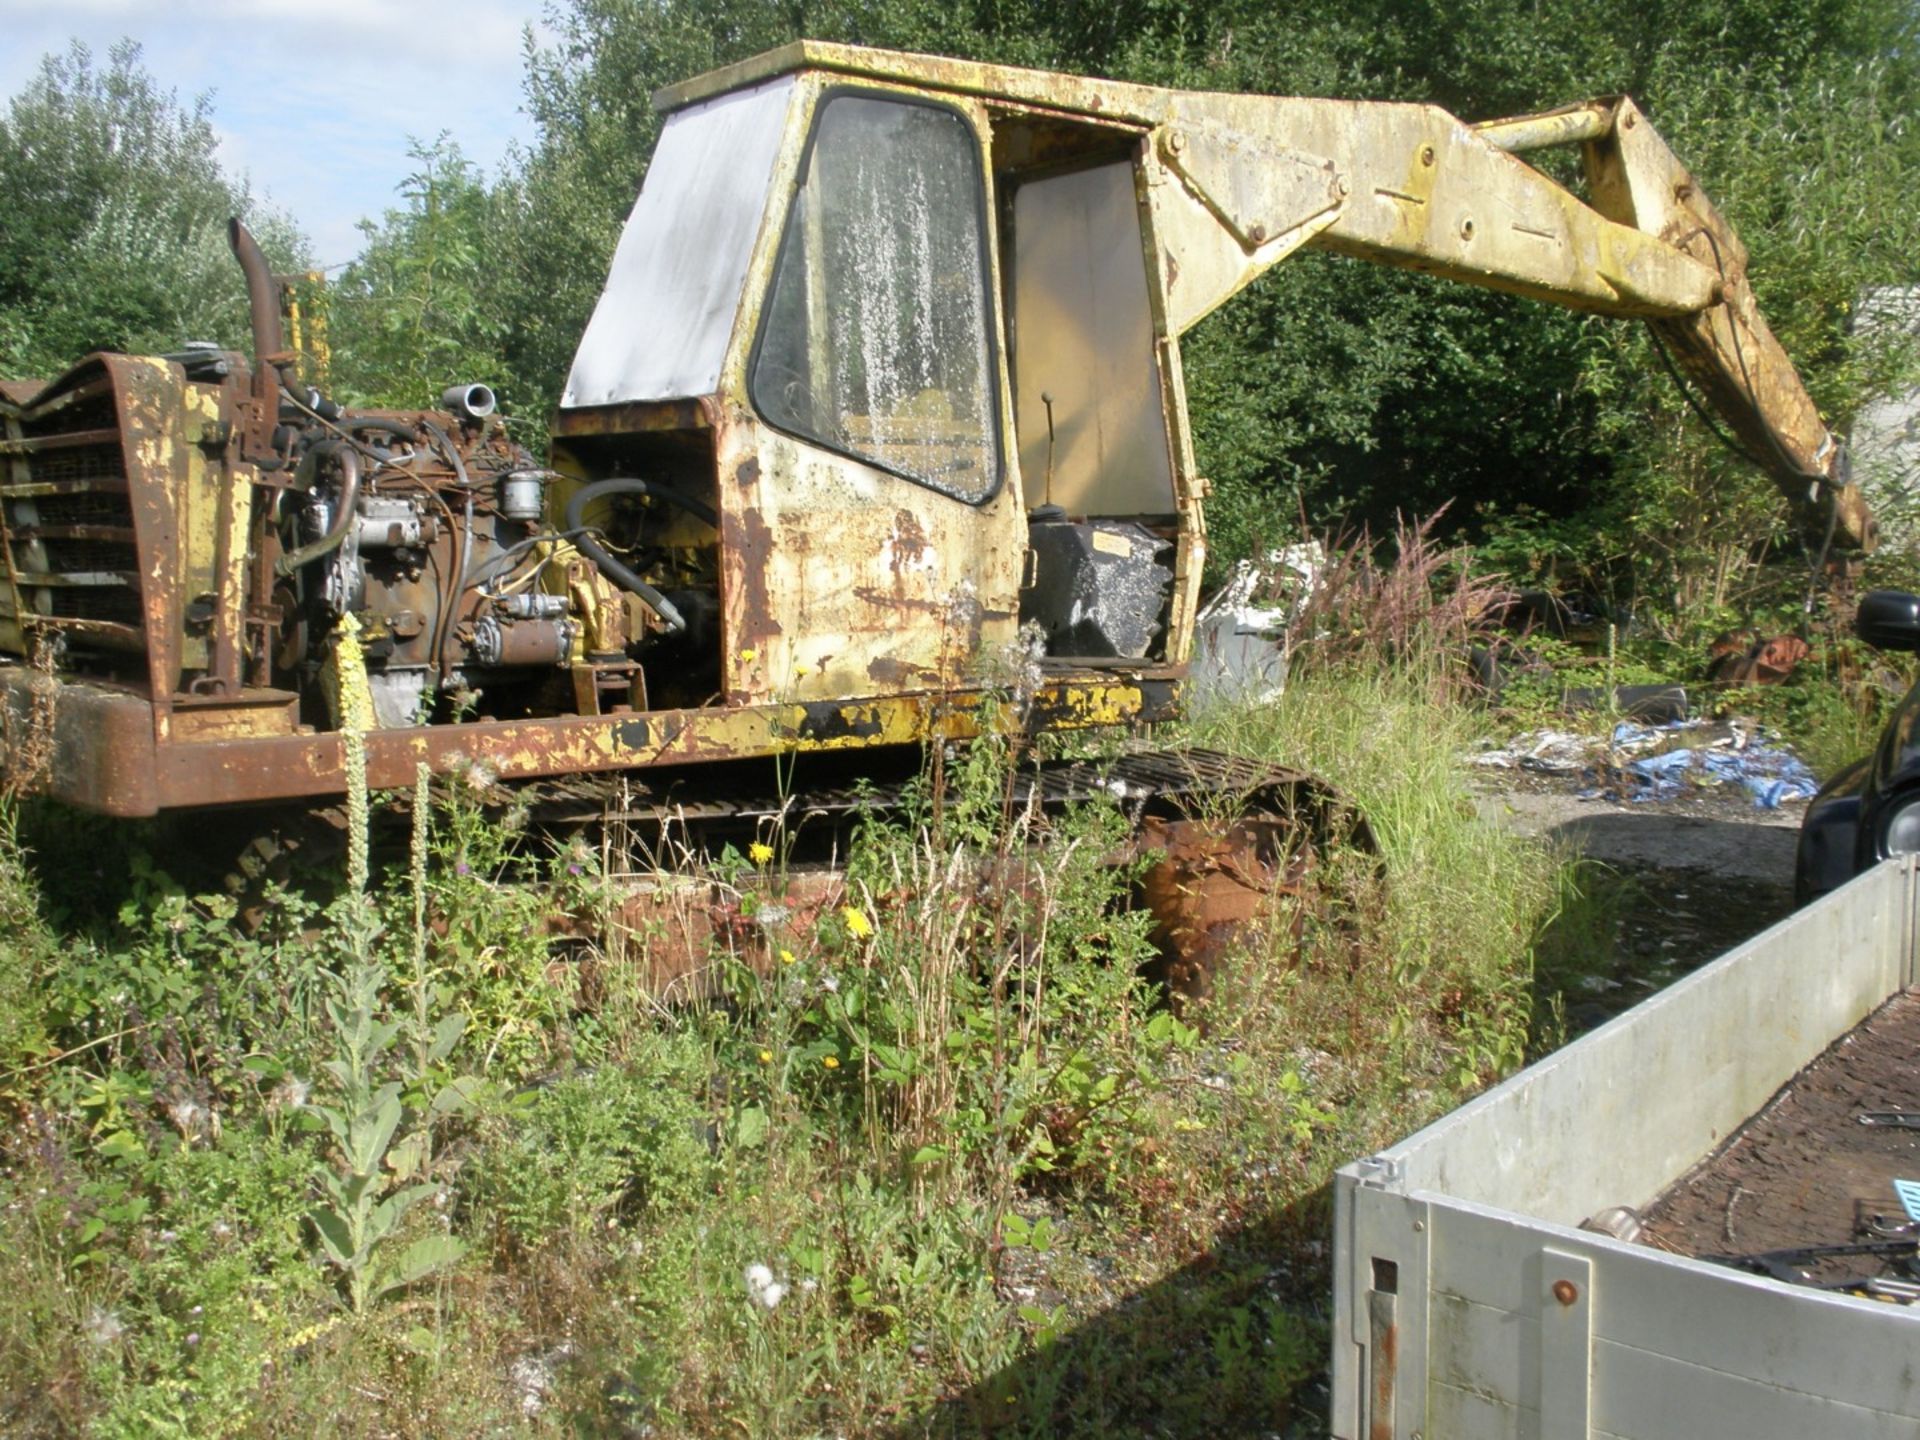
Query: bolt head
(1565, 1291)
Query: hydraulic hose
(612, 568)
(457, 579)
(451, 612)
(631, 485)
(343, 519)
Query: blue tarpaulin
(1769, 773)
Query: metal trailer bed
(1468, 1306)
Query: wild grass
(1413, 609)
(937, 1162)
(1463, 899)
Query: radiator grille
(66, 519)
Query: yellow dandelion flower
(749, 656)
(786, 957)
(760, 851)
(858, 925)
(832, 1062)
(766, 1057)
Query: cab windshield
(876, 338)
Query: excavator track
(1222, 839)
(1218, 842)
(1134, 778)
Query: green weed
(374, 1173)
(423, 1159)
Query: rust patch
(1212, 877)
(86, 745)
(832, 720)
(1212, 880)
(638, 416)
(1741, 659)
(926, 604)
(751, 540)
(909, 545)
(1384, 1370)
(900, 674)
(679, 936)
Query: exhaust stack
(263, 301)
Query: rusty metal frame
(107, 758)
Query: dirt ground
(1805, 1171)
(1719, 832)
(1694, 876)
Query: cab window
(876, 341)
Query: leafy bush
(584, 1154)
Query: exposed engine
(393, 520)
(433, 532)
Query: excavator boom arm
(1410, 186)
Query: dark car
(1871, 809)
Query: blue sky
(314, 100)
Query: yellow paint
(307, 325)
(237, 722)
(197, 505)
(552, 747)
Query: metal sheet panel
(1618, 1115)
(661, 329)
(1662, 1346)
(1524, 1326)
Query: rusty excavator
(885, 380)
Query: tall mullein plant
(367, 1196)
(386, 1096)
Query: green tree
(115, 226)
(589, 96)
(420, 309)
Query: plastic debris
(1909, 1193)
(1660, 762)
(1240, 646)
(1550, 752)
(1771, 774)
